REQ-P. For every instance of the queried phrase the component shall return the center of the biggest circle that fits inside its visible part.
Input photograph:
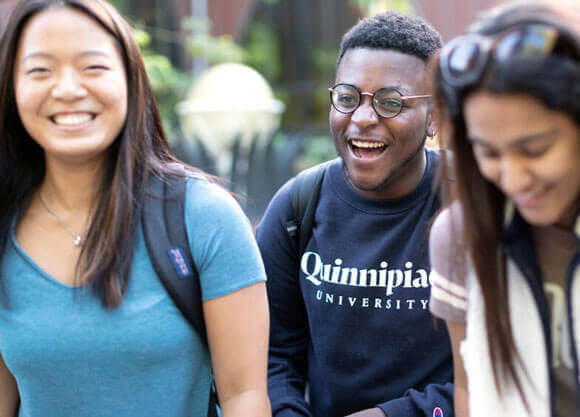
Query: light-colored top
(451, 273)
(72, 357)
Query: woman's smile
(73, 121)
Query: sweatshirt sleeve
(424, 403)
(289, 335)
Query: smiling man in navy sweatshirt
(349, 316)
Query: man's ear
(433, 124)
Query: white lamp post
(229, 102)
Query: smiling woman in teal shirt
(86, 327)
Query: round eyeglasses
(386, 101)
(464, 60)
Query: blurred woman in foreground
(505, 251)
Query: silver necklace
(78, 240)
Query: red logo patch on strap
(437, 412)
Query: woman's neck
(71, 188)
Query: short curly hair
(401, 32)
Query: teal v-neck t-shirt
(72, 357)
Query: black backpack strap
(304, 194)
(168, 246)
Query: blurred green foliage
(263, 51)
(168, 83)
(217, 49)
(120, 5)
(319, 148)
(324, 64)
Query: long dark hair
(556, 83)
(140, 150)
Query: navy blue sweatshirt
(355, 322)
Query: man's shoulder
(433, 157)
(306, 180)
(302, 184)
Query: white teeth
(366, 144)
(532, 194)
(72, 119)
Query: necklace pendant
(78, 240)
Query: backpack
(304, 195)
(163, 220)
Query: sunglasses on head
(464, 60)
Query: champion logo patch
(179, 262)
(437, 412)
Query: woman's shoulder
(208, 201)
(447, 240)
(449, 217)
(203, 192)
(449, 265)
